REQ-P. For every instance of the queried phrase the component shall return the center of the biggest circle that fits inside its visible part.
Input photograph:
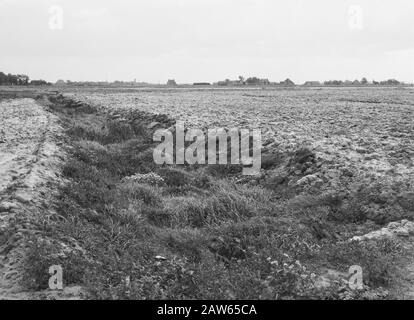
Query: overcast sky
(207, 40)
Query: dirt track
(29, 155)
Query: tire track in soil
(29, 159)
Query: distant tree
(13, 80)
(22, 79)
(253, 81)
(364, 81)
(3, 78)
(39, 83)
(334, 83)
(390, 82)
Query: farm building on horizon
(171, 82)
(287, 82)
(312, 83)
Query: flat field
(336, 189)
(360, 136)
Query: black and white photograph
(206, 155)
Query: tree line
(363, 81)
(19, 80)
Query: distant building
(201, 83)
(171, 82)
(257, 81)
(334, 83)
(224, 83)
(312, 83)
(40, 83)
(287, 82)
(229, 82)
(390, 82)
(264, 82)
(251, 81)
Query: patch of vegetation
(42, 254)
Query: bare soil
(29, 158)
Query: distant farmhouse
(171, 82)
(257, 82)
(391, 82)
(287, 82)
(229, 82)
(252, 81)
(312, 83)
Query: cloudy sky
(207, 40)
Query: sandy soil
(29, 158)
